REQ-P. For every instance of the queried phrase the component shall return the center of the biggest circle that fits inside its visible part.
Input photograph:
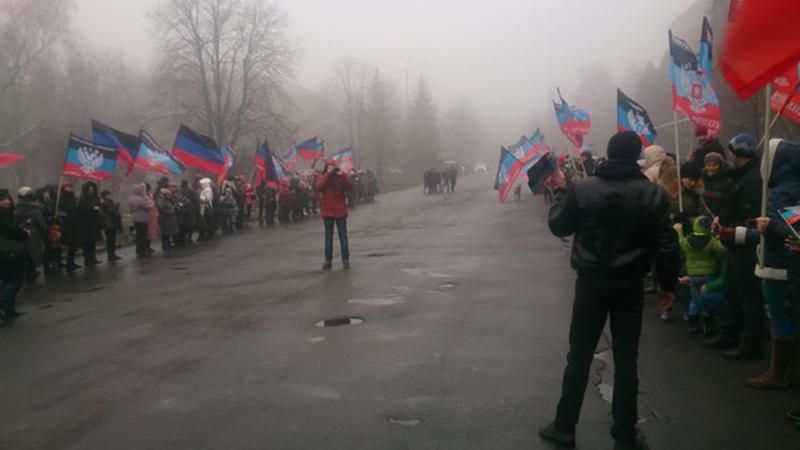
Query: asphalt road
(465, 304)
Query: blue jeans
(783, 325)
(10, 283)
(695, 283)
(341, 227)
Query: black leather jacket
(621, 225)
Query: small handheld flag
(632, 116)
(538, 172)
(151, 157)
(89, 161)
(198, 151)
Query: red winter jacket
(332, 191)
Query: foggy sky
(504, 56)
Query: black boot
(747, 350)
(708, 326)
(553, 434)
(723, 341)
(637, 443)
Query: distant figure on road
(621, 223)
(333, 187)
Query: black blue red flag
(508, 169)
(311, 149)
(344, 159)
(266, 167)
(632, 116)
(127, 145)
(152, 157)
(198, 151)
(88, 160)
(692, 94)
(574, 122)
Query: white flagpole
(765, 168)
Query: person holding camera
(333, 187)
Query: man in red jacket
(333, 186)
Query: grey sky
(505, 56)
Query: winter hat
(24, 191)
(701, 226)
(625, 145)
(691, 171)
(743, 145)
(713, 157)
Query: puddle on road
(448, 285)
(408, 422)
(47, 306)
(388, 301)
(431, 274)
(92, 289)
(381, 254)
(339, 321)
(315, 339)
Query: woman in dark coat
(28, 214)
(88, 213)
(12, 254)
(167, 218)
(70, 224)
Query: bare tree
(229, 61)
(350, 85)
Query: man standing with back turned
(621, 224)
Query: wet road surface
(450, 333)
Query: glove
(727, 234)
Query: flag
(7, 159)
(539, 170)
(152, 157)
(311, 149)
(127, 145)
(574, 122)
(266, 167)
(88, 160)
(762, 42)
(632, 116)
(692, 94)
(344, 160)
(291, 157)
(784, 100)
(507, 171)
(528, 148)
(791, 216)
(229, 156)
(519, 148)
(198, 151)
(281, 170)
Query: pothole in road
(339, 321)
(408, 422)
(377, 301)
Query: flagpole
(678, 160)
(765, 169)
(58, 193)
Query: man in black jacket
(742, 329)
(12, 258)
(621, 224)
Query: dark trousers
(744, 313)
(597, 298)
(89, 252)
(111, 242)
(11, 282)
(341, 227)
(142, 243)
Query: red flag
(7, 159)
(763, 42)
(785, 100)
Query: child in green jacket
(704, 257)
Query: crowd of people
(732, 296)
(43, 231)
(440, 181)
